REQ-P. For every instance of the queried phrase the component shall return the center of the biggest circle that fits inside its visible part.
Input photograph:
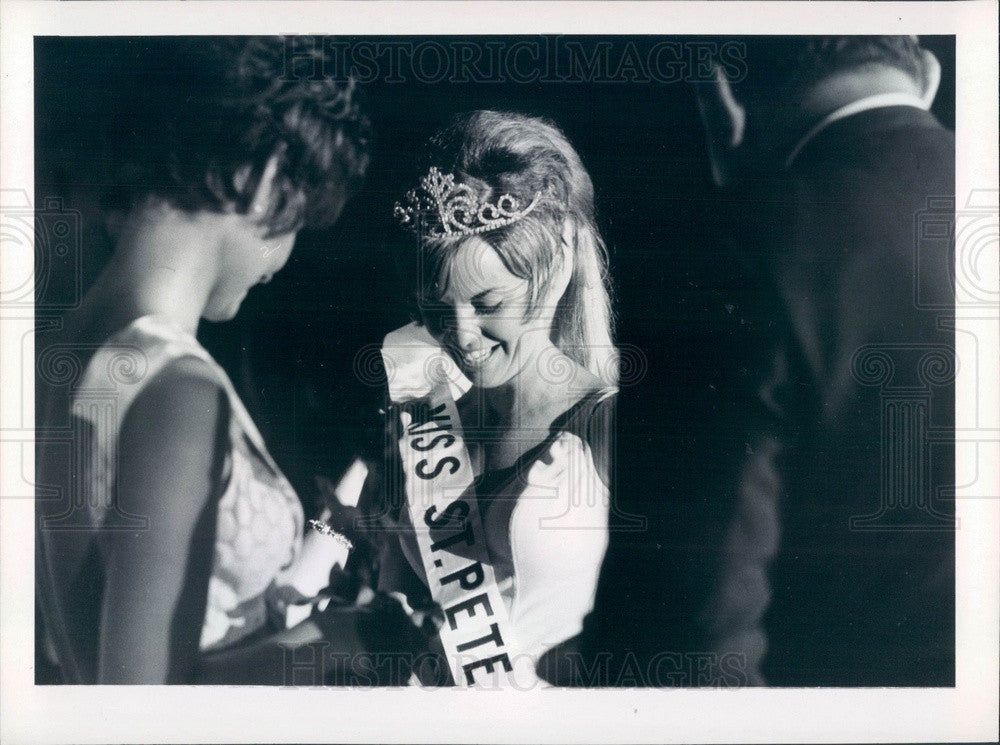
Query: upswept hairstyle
(206, 115)
(499, 153)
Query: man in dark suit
(819, 547)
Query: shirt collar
(868, 103)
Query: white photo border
(97, 714)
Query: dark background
(293, 349)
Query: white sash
(477, 635)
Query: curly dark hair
(207, 114)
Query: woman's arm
(172, 452)
(170, 460)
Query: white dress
(546, 526)
(258, 535)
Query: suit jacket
(799, 528)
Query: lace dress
(258, 535)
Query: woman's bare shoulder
(186, 389)
(171, 435)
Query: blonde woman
(503, 395)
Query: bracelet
(321, 527)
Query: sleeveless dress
(546, 524)
(260, 520)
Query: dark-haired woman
(186, 528)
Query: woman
(179, 569)
(503, 501)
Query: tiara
(458, 209)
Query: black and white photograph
(359, 368)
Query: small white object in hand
(321, 527)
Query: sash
(477, 635)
